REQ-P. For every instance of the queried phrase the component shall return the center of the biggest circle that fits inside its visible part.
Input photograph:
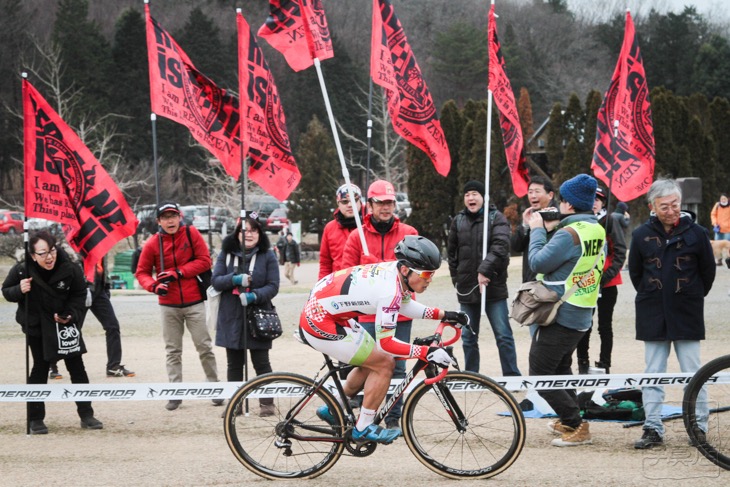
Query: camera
(548, 215)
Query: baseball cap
(342, 193)
(601, 194)
(381, 190)
(167, 206)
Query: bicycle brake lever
(427, 340)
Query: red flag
(626, 163)
(265, 136)
(393, 66)
(182, 93)
(509, 119)
(298, 30)
(65, 183)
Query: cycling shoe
(377, 434)
(323, 413)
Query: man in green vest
(574, 254)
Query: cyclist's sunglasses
(423, 274)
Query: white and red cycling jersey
(372, 289)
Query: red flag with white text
(298, 30)
(626, 163)
(393, 66)
(65, 183)
(509, 119)
(264, 124)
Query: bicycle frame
(432, 377)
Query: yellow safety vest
(592, 237)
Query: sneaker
(323, 413)
(119, 371)
(375, 433)
(53, 373)
(649, 439)
(603, 366)
(574, 436)
(91, 423)
(583, 366)
(266, 410)
(172, 405)
(217, 402)
(38, 427)
(557, 428)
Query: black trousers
(39, 375)
(236, 359)
(102, 309)
(551, 354)
(605, 306)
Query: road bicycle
(458, 424)
(714, 379)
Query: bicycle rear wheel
(493, 428)
(291, 442)
(714, 377)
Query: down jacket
(465, 255)
(264, 283)
(672, 273)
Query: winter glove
(160, 288)
(439, 356)
(458, 317)
(716, 228)
(169, 276)
(241, 280)
(247, 298)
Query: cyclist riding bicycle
(384, 290)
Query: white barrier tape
(223, 390)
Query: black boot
(602, 365)
(583, 365)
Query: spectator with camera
(540, 194)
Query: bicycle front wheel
(713, 379)
(490, 432)
(272, 427)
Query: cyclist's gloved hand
(169, 276)
(439, 356)
(160, 288)
(457, 317)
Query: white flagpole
(345, 173)
(487, 166)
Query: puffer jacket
(672, 273)
(333, 243)
(264, 283)
(178, 254)
(466, 237)
(67, 280)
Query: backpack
(620, 405)
(135, 259)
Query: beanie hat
(622, 207)
(580, 192)
(474, 186)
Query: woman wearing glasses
(247, 274)
(55, 290)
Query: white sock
(367, 416)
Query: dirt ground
(143, 444)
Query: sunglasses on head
(423, 274)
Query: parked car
(277, 220)
(147, 218)
(263, 205)
(402, 206)
(205, 218)
(11, 222)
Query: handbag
(214, 299)
(62, 341)
(263, 324)
(534, 303)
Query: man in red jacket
(174, 279)
(336, 231)
(383, 230)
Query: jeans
(402, 333)
(498, 317)
(551, 354)
(174, 321)
(656, 354)
(39, 375)
(606, 303)
(722, 236)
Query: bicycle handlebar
(439, 331)
(441, 375)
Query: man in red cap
(383, 230)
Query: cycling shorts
(352, 344)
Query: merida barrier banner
(224, 390)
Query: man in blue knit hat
(573, 254)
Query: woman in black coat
(56, 292)
(243, 285)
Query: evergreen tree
(593, 104)
(711, 74)
(573, 162)
(200, 39)
(313, 200)
(574, 120)
(452, 124)
(703, 164)
(465, 162)
(460, 57)
(524, 110)
(720, 133)
(556, 140)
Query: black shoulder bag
(205, 278)
(263, 324)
